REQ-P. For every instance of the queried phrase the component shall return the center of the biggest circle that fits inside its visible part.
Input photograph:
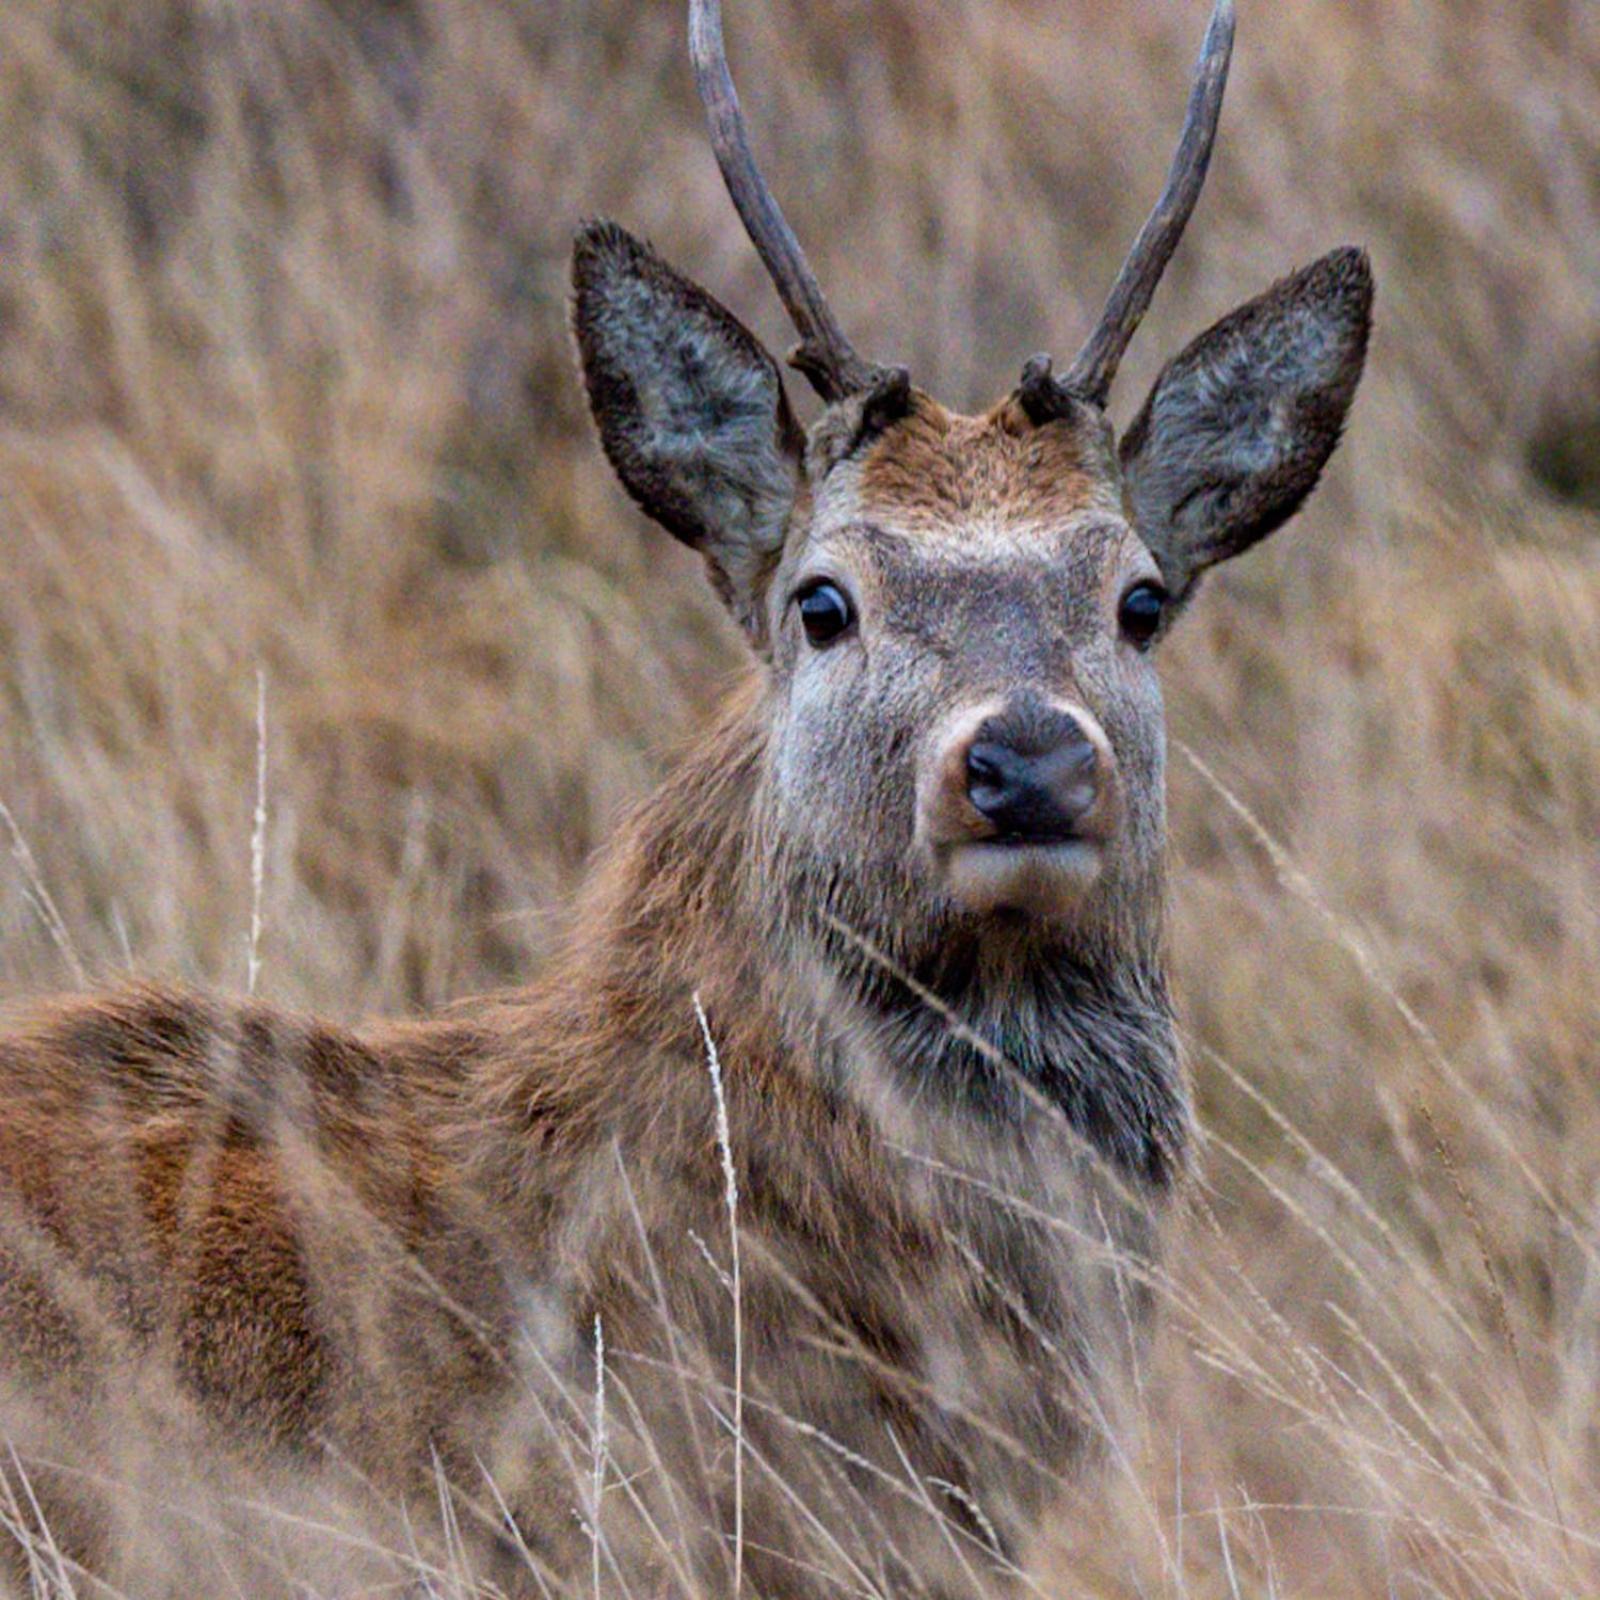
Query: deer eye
(825, 612)
(1139, 615)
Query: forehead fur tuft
(936, 466)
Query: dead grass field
(285, 388)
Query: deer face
(958, 616)
(960, 631)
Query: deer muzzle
(1016, 805)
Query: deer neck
(984, 1023)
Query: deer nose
(1032, 774)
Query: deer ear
(691, 412)
(1238, 427)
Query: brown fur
(938, 470)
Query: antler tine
(824, 355)
(1093, 368)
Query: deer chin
(1048, 879)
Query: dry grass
(285, 388)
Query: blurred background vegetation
(285, 387)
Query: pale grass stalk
(597, 1478)
(1123, 1305)
(1356, 1448)
(1229, 1357)
(44, 1536)
(423, 1570)
(618, 1388)
(1442, 1451)
(1372, 1404)
(119, 926)
(555, 1386)
(1106, 1171)
(258, 837)
(1264, 1534)
(14, 1524)
(454, 1549)
(39, 896)
(820, 1528)
(1331, 1245)
(534, 1566)
(691, 1418)
(1405, 1256)
(731, 1196)
(219, 1554)
(842, 1452)
(1298, 882)
(718, 1271)
(1177, 1502)
(963, 1499)
(1098, 1249)
(941, 1520)
(1503, 1312)
(186, 1511)
(846, 1344)
(1227, 1552)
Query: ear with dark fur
(691, 411)
(1237, 429)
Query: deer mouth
(1037, 875)
(1029, 841)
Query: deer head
(956, 616)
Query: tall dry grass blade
(1503, 1314)
(44, 1538)
(39, 898)
(1296, 881)
(533, 1564)
(258, 838)
(939, 1518)
(1177, 1504)
(657, 1468)
(731, 1200)
(689, 1412)
(1227, 1551)
(450, 1524)
(597, 1471)
(1405, 1255)
(1300, 884)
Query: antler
(824, 355)
(1095, 365)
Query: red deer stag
(906, 896)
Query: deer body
(913, 880)
(328, 1240)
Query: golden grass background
(285, 387)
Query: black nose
(1031, 772)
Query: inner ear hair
(1238, 427)
(677, 385)
(690, 408)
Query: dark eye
(825, 612)
(1140, 613)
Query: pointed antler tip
(1095, 366)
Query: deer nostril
(986, 764)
